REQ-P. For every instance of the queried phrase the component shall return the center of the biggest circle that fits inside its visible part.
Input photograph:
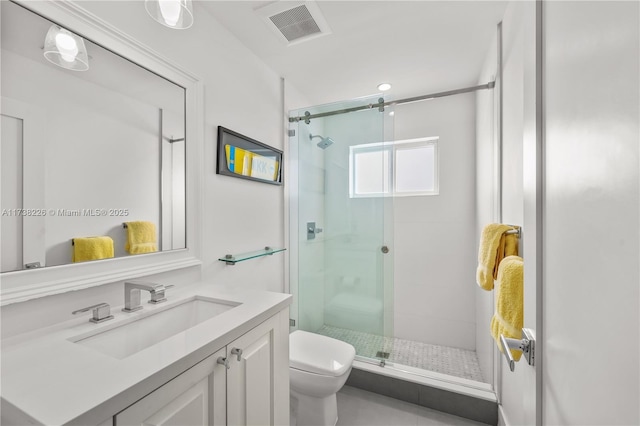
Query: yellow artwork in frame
(244, 157)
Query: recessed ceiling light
(384, 86)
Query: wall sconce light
(65, 49)
(177, 14)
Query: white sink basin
(127, 339)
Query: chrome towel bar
(516, 231)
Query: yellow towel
(494, 246)
(92, 248)
(141, 237)
(509, 316)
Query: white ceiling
(419, 46)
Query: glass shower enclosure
(341, 226)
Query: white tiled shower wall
(435, 250)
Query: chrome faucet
(132, 294)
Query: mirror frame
(20, 286)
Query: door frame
(532, 234)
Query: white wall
(241, 93)
(591, 248)
(435, 251)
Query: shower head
(324, 142)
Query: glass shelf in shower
(232, 259)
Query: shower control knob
(384, 249)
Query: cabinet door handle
(224, 361)
(237, 352)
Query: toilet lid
(319, 354)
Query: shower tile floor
(441, 359)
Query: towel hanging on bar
(141, 237)
(509, 313)
(498, 241)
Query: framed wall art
(246, 158)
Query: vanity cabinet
(250, 377)
(251, 388)
(196, 397)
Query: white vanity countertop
(47, 379)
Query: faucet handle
(157, 295)
(101, 312)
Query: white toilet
(318, 366)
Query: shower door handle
(384, 249)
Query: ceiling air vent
(295, 22)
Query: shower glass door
(342, 226)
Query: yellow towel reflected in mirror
(92, 248)
(141, 237)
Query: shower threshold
(454, 395)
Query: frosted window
(371, 172)
(415, 169)
(399, 168)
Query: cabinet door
(258, 384)
(196, 397)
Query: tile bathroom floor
(441, 359)
(357, 407)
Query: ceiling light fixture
(177, 14)
(384, 87)
(65, 49)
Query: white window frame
(392, 148)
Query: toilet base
(313, 411)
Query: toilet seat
(319, 354)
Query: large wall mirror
(94, 161)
